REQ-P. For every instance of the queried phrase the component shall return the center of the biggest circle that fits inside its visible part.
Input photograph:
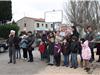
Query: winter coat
(10, 41)
(79, 48)
(51, 48)
(57, 49)
(65, 49)
(86, 52)
(75, 34)
(74, 47)
(98, 48)
(42, 48)
(23, 43)
(30, 40)
(90, 36)
(13, 41)
(16, 41)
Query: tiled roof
(37, 19)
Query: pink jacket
(86, 51)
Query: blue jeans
(66, 60)
(74, 62)
(18, 53)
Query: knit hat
(12, 31)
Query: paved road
(37, 67)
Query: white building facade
(34, 24)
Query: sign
(53, 16)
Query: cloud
(34, 8)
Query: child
(23, 45)
(74, 50)
(65, 52)
(51, 51)
(57, 53)
(42, 49)
(86, 54)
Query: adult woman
(30, 40)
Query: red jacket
(42, 48)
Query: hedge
(5, 30)
(5, 11)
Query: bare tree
(83, 13)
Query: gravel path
(37, 67)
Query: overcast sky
(34, 8)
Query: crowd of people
(52, 45)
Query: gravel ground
(37, 67)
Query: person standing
(65, 51)
(51, 39)
(98, 51)
(86, 54)
(90, 37)
(75, 32)
(30, 47)
(74, 50)
(42, 49)
(57, 53)
(23, 46)
(12, 51)
(17, 47)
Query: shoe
(31, 61)
(51, 64)
(66, 65)
(75, 67)
(63, 65)
(85, 68)
(57, 65)
(9, 62)
(14, 63)
(25, 59)
(71, 67)
(98, 61)
(88, 69)
(28, 60)
(91, 60)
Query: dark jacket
(13, 41)
(30, 40)
(65, 49)
(90, 36)
(98, 48)
(76, 34)
(10, 41)
(79, 48)
(74, 47)
(57, 49)
(16, 42)
(51, 48)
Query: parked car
(3, 46)
(98, 36)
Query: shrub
(5, 30)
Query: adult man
(11, 43)
(90, 37)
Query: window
(24, 24)
(42, 25)
(37, 24)
(46, 26)
(51, 25)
